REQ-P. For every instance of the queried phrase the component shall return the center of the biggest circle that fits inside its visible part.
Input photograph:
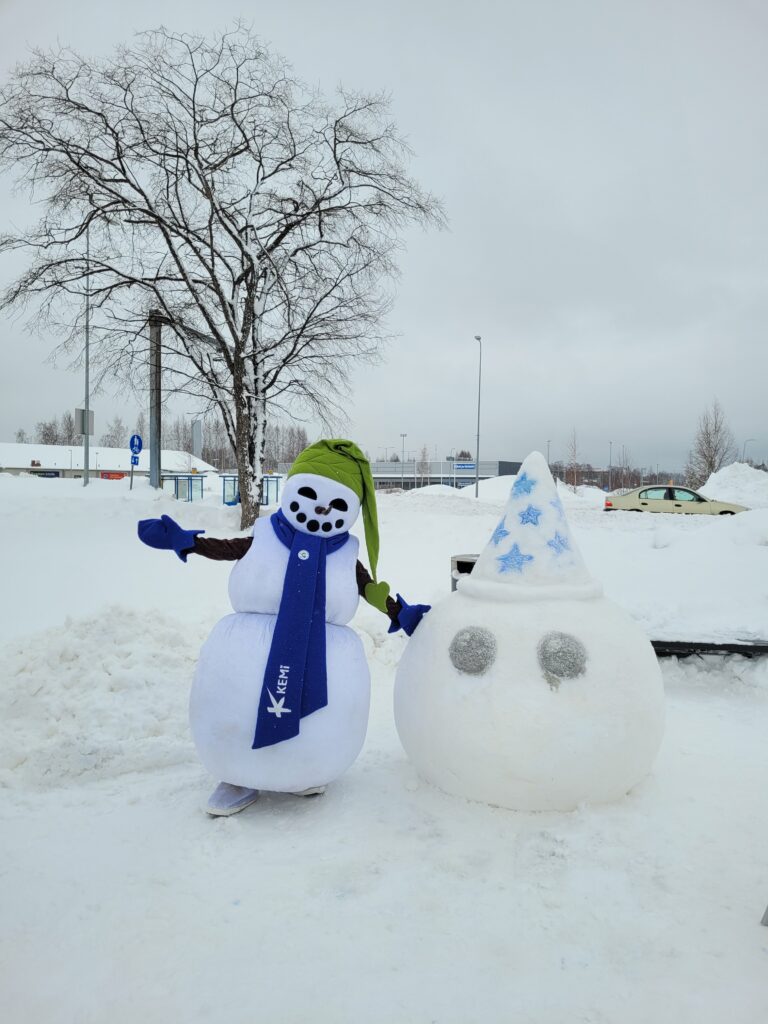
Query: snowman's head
(316, 504)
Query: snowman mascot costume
(281, 693)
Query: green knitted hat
(343, 462)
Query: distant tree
(141, 427)
(422, 466)
(714, 446)
(47, 432)
(394, 457)
(21, 436)
(217, 448)
(463, 454)
(116, 435)
(573, 458)
(67, 429)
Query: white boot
(312, 791)
(227, 799)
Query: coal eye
(339, 504)
(307, 492)
(473, 650)
(561, 656)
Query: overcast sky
(604, 167)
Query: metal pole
(402, 464)
(744, 447)
(549, 442)
(86, 411)
(154, 397)
(477, 446)
(610, 460)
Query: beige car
(661, 498)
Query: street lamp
(86, 411)
(744, 447)
(610, 460)
(549, 442)
(402, 464)
(479, 340)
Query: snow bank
(739, 483)
(96, 698)
(496, 490)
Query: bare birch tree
(259, 219)
(714, 446)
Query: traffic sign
(464, 465)
(135, 445)
(134, 460)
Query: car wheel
(726, 513)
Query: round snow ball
(562, 655)
(473, 650)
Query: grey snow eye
(561, 656)
(473, 650)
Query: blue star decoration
(514, 560)
(523, 485)
(500, 532)
(530, 515)
(559, 543)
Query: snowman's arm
(222, 550)
(363, 579)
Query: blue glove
(409, 616)
(167, 535)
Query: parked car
(670, 499)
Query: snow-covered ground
(385, 900)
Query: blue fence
(230, 492)
(185, 486)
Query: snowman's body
(228, 681)
(510, 736)
(527, 688)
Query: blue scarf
(295, 679)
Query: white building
(59, 460)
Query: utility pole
(477, 446)
(610, 460)
(402, 464)
(549, 442)
(155, 327)
(87, 403)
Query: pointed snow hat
(531, 554)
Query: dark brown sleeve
(221, 550)
(363, 579)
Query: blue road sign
(134, 460)
(465, 465)
(135, 445)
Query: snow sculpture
(281, 692)
(527, 688)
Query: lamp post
(479, 340)
(610, 460)
(549, 442)
(744, 447)
(86, 411)
(402, 464)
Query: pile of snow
(96, 698)
(739, 483)
(496, 490)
